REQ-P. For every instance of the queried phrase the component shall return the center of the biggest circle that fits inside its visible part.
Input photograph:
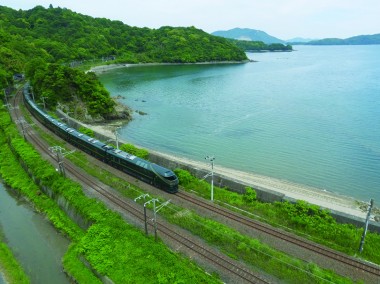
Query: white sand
(312, 195)
(296, 191)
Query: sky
(284, 19)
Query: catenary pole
(366, 225)
(211, 159)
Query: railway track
(354, 263)
(285, 236)
(245, 275)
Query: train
(151, 173)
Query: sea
(311, 116)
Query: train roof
(162, 171)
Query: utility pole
(21, 122)
(366, 225)
(43, 101)
(116, 135)
(211, 159)
(31, 91)
(68, 118)
(145, 222)
(61, 153)
(155, 210)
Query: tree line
(261, 46)
(38, 41)
(59, 35)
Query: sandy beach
(105, 68)
(320, 197)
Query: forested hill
(356, 40)
(61, 35)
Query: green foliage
(250, 195)
(39, 41)
(76, 268)
(60, 35)
(10, 267)
(79, 91)
(184, 177)
(260, 46)
(112, 247)
(31, 41)
(131, 149)
(87, 131)
(251, 251)
(302, 218)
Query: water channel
(35, 243)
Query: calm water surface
(33, 240)
(311, 116)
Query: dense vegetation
(261, 46)
(76, 92)
(59, 35)
(43, 43)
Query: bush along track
(111, 247)
(259, 256)
(229, 241)
(304, 219)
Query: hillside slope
(356, 40)
(61, 35)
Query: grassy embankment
(112, 247)
(231, 242)
(10, 267)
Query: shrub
(131, 149)
(87, 131)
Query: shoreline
(107, 67)
(293, 191)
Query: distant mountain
(300, 39)
(248, 34)
(356, 40)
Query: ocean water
(311, 116)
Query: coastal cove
(308, 116)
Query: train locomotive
(146, 171)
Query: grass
(10, 267)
